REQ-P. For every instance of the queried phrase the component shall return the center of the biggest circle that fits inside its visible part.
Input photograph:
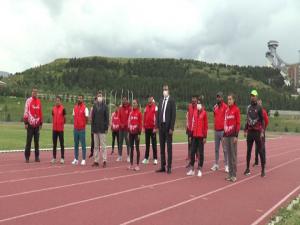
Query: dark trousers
(165, 137)
(149, 134)
(58, 135)
(263, 150)
(189, 136)
(92, 144)
(254, 136)
(134, 139)
(197, 148)
(115, 135)
(123, 134)
(32, 132)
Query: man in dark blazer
(165, 123)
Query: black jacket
(100, 118)
(170, 115)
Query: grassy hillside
(144, 76)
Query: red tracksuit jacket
(123, 114)
(79, 116)
(58, 118)
(200, 124)
(115, 122)
(219, 116)
(189, 118)
(33, 114)
(150, 116)
(135, 122)
(232, 122)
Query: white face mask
(99, 99)
(199, 106)
(166, 93)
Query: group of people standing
(127, 122)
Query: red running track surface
(44, 194)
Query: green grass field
(13, 136)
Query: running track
(42, 194)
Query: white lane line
(140, 188)
(203, 195)
(260, 219)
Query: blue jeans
(79, 136)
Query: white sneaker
(53, 161)
(155, 162)
(128, 159)
(226, 169)
(62, 161)
(145, 161)
(83, 163)
(75, 162)
(191, 173)
(215, 167)
(199, 173)
(119, 159)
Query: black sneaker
(27, 161)
(104, 164)
(263, 174)
(247, 172)
(37, 160)
(161, 170)
(95, 164)
(91, 155)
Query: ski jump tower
(276, 62)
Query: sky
(35, 32)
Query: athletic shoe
(199, 173)
(75, 162)
(228, 178)
(247, 172)
(95, 164)
(145, 161)
(191, 173)
(137, 168)
(263, 174)
(155, 161)
(62, 161)
(130, 167)
(53, 161)
(104, 164)
(128, 159)
(91, 155)
(83, 163)
(226, 169)
(233, 179)
(255, 164)
(37, 160)
(215, 167)
(27, 161)
(119, 159)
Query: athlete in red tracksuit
(33, 119)
(266, 119)
(58, 122)
(115, 127)
(254, 131)
(135, 129)
(189, 130)
(200, 128)
(123, 114)
(219, 115)
(150, 130)
(232, 124)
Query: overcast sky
(35, 32)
